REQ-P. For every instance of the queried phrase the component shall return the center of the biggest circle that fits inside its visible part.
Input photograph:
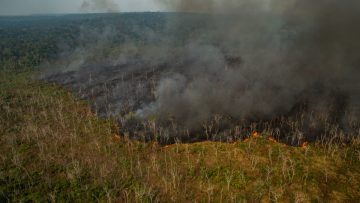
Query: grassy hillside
(53, 148)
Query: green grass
(53, 148)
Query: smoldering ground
(254, 63)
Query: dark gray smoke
(99, 6)
(261, 58)
(239, 61)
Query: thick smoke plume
(262, 58)
(99, 6)
(216, 65)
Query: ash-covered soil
(112, 90)
(120, 91)
(290, 73)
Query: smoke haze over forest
(287, 50)
(27, 7)
(179, 101)
(248, 60)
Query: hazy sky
(26, 7)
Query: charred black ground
(129, 88)
(289, 72)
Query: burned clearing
(230, 101)
(213, 76)
(121, 91)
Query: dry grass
(52, 148)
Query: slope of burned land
(68, 141)
(190, 77)
(53, 148)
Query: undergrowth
(53, 148)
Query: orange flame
(255, 134)
(272, 139)
(304, 145)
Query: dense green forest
(29, 41)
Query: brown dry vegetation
(52, 148)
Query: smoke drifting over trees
(247, 60)
(99, 5)
(289, 51)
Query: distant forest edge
(28, 41)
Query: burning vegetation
(222, 71)
(275, 83)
